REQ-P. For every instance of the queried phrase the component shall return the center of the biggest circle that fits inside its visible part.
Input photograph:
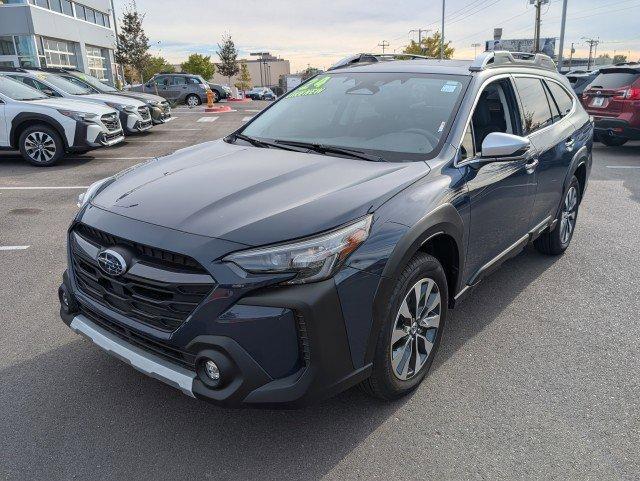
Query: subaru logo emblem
(112, 263)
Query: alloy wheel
(40, 146)
(192, 101)
(569, 213)
(415, 329)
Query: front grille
(163, 302)
(144, 113)
(183, 358)
(110, 136)
(111, 122)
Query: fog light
(211, 368)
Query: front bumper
(274, 345)
(90, 136)
(159, 114)
(134, 123)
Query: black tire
(194, 97)
(52, 146)
(383, 382)
(555, 242)
(613, 141)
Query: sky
(318, 33)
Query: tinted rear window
(615, 80)
(535, 107)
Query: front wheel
(41, 145)
(412, 331)
(613, 141)
(555, 242)
(192, 101)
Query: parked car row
(45, 113)
(261, 93)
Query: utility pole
(442, 33)
(573, 50)
(592, 42)
(536, 32)
(562, 28)
(419, 30)
(115, 29)
(475, 49)
(384, 44)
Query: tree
(132, 44)
(228, 54)
(244, 82)
(430, 47)
(619, 58)
(154, 65)
(199, 65)
(310, 72)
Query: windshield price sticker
(312, 88)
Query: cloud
(319, 33)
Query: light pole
(562, 27)
(115, 29)
(442, 33)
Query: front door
(501, 192)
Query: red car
(613, 99)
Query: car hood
(251, 195)
(116, 99)
(76, 105)
(143, 97)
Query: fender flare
(581, 157)
(445, 219)
(23, 117)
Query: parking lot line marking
(623, 166)
(251, 110)
(156, 141)
(53, 187)
(13, 248)
(170, 119)
(246, 119)
(116, 158)
(207, 119)
(179, 130)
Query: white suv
(134, 114)
(43, 128)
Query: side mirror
(48, 92)
(499, 145)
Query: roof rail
(500, 58)
(366, 58)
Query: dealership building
(58, 33)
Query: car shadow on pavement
(100, 419)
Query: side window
(161, 80)
(536, 113)
(563, 100)
(467, 150)
(179, 80)
(494, 112)
(193, 80)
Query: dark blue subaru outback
(321, 245)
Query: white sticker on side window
(441, 127)
(449, 88)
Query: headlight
(79, 116)
(312, 259)
(91, 192)
(122, 107)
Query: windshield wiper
(264, 143)
(332, 149)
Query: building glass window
(55, 5)
(59, 53)
(41, 3)
(80, 12)
(97, 60)
(6, 46)
(66, 7)
(26, 49)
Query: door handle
(570, 142)
(531, 165)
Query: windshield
(83, 80)
(399, 116)
(63, 84)
(18, 91)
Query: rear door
(552, 136)
(179, 87)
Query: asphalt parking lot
(538, 376)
